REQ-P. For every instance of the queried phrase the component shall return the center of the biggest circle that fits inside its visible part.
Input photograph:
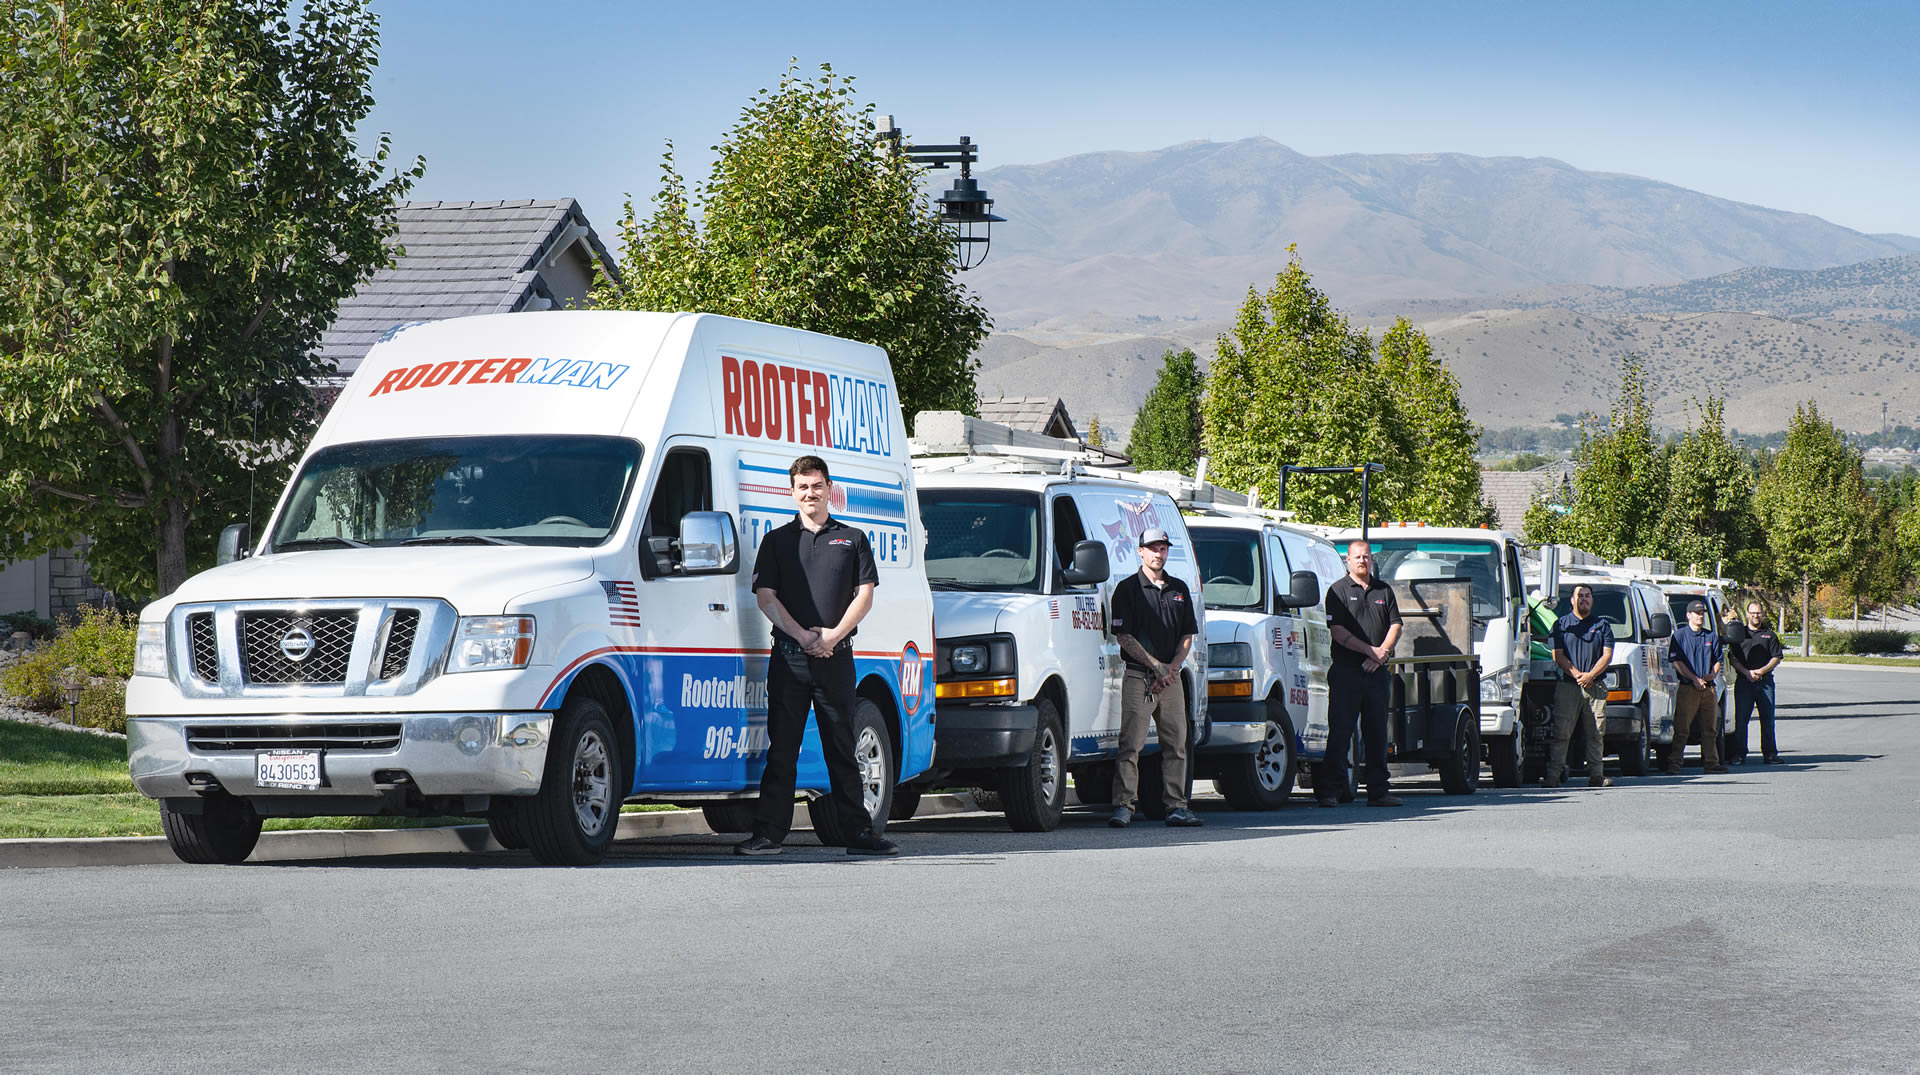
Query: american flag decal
(1053, 610)
(623, 604)
(1276, 639)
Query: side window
(686, 485)
(1068, 531)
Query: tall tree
(804, 221)
(1814, 505)
(183, 208)
(1166, 431)
(1707, 518)
(1621, 484)
(1426, 400)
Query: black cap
(1697, 606)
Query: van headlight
(1230, 655)
(150, 650)
(486, 643)
(970, 659)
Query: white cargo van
(511, 578)
(1023, 552)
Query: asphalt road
(1763, 920)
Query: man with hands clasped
(1695, 650)
(1365, 617)
(1582, 647)
(1153, 622)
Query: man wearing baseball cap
(1695, 650)
(1154, 623)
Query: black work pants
(796, 681)
(1355, 697)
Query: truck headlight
(969, 660)
(485, 643)
(1230, 655)
(1497, 688)
(150, 650)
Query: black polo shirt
(814, 574)
(1366, 612)
(1754, 647)
(1583, 641)
(1158, 617)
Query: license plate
(288, 769)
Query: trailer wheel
(503, 820)
(1262, 780)
(1460, 772)
(571, 820)
(1633, 756)
(1036, 793)
(223, 832)
(1503, 755)
(730, 815)
(873, 753)
(1093, 784)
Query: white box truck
(510, 578)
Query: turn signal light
(1619, 696)
(976, 689)
(1241, 688)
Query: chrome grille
(204, 650)
(406, 623)
(218, 738)
(262, 659)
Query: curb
(313, 844)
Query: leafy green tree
(1708, 516)
(1096, 437)
(1427, 411)
(1814, 505)
(804, 221)
(1166, 431)
(182, 206)
(1621, 485)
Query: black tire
(504, 821)
(223, 833)
(906, 803)
(1093, 784)
(1460, 772)
(730, 815)
(873, 752)
(1262, 780)
(988, 799)
(1503, 757)
(1633, 755)
(1035, 794)
(572, 819)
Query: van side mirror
(236, 543)
(1660, 625)
(1303, 591)
(708, 545)
(1089, 565)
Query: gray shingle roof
(1035, 414)
(464, 258)
(1512, 491)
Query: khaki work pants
(1168, 712)
(1585, 707)
(1691, 702)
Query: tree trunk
(170, 559)
(1806, 615)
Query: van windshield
(502, 490)
(981, 540)
(1476, 561)
(1230, 570)
(1609, 603)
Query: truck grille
(267, 654)
(406, 624)
(205, 649)
(220, 738)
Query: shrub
(103, 704)
(1871, 641)
(25, 620)
(98, 645)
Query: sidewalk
(365, 843)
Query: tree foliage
(1814, 505)
(1294, 382)
(182, 206)
(1621, 484)
(805, 222)
(1708, 517)
(1166, 431)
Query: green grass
(1845, 658)
(48, 761)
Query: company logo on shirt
(796, 405)
(841, 541)
(519, 371)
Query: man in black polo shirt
(1755, 652)
(1365, 617)
(814, 579)
(1154, 623)
(1582, 647)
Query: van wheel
(730, 815)
(906, 803)
(1503, 754)
(1633, 756)
(873, 756)
(1036, 793)
(1093, 784)
(223, 832)
(1262, 780)
(503, 820)
(1460, 772)
(571, 820)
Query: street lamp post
(964, 205)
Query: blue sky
(1803, 107)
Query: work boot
(1183, 818)
(1121, 817)
(756, 845)
(1599, 782)
(870, 842)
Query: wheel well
(599, 682)
(874, 689)
(1055, 691)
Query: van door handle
(716, 606)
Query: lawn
(1847, 658)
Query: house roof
(469, 258)
(1035, 414)
(1512, 491)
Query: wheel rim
(1049, 765)
(1270, 763)
(592, 783)
(873, 769)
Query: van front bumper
(1236, 726)
(442, 754)
(984, 736)
(1622, 720)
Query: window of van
(982, 540)
(1231, 574)
(1610, 603)
(495, 490)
